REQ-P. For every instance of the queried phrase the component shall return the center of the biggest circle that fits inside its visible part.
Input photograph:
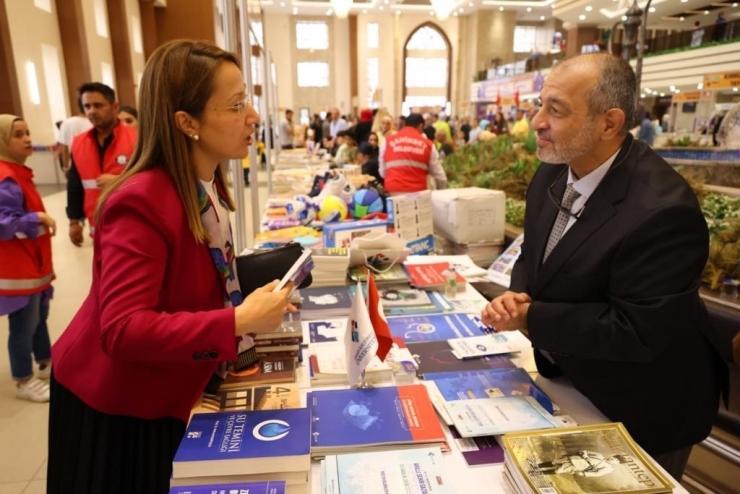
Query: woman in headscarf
(475, 133)
(365, 125)
(26, 269)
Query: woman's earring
(195, 137)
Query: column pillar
(121, 48)
(74, 47)
(10, 98)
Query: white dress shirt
(586, 186)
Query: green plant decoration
(504, 163)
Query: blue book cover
(347, 418)
(491, 383)
(405, 470)
(327, 330)
(239, 443)
(436, 327)
(239, 488)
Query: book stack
(404, 470)
(580, 460)
(375, 419)
(392, 274)
(275, 371)
(256, 446)
(482, 253)
(433, 276)
(283, 343)
(237, 488)
(330, 267)
(265, 397)
(399, 300)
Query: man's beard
(564, 149)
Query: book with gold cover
(589, 459)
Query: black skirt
(95, 453)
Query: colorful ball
(364, 202)
(308, 208)
(332, 209)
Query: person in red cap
(364, 126)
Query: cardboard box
(469, 215)
(410, 218)
(341, 234)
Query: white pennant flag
(360, 341)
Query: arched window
(426, 68)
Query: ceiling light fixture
(341, 7)
(700, 85)
(642, 96)
(470, 4)
(651, 9)
(364, 11)
(455, 14)
(582, 17)
(443, 8)
(380, 8)
(295, 10)
(706, 12)
(662, 94)
(589, 8)
(735, 89)
(542, 17)
(529, 9)
(282, 4)
(500, 9)
(680, 18)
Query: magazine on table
(589, 459)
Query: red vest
(87, 161)
(406, 158)
(25, 264)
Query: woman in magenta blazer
(164, 308)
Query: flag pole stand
(363, 384)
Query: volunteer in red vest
(26, 270)
(98, 156)
(407, 157)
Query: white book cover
(489, 344)
(500, 271)
(403, 471)
(329, 359)
(330, 483)
(494, 416)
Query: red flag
(498, 98)
(380, 325)
(516, 98)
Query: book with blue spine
(236, 488)
(488, 383)
(405, 470)
(242, 443)
(436, 327)
(347, 420)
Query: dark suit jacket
(616, 303)
(153, 328)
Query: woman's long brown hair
(178, 77)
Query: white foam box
(341, 234)
(410, 218)
(469, 215)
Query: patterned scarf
(222, 249)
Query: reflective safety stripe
(90, 184)
(412, 164)
(25, 284)
(42, 231)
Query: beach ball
(332, 209)
(364, 202)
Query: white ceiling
(603, 13)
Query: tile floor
(23, 425)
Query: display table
(462, 476)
